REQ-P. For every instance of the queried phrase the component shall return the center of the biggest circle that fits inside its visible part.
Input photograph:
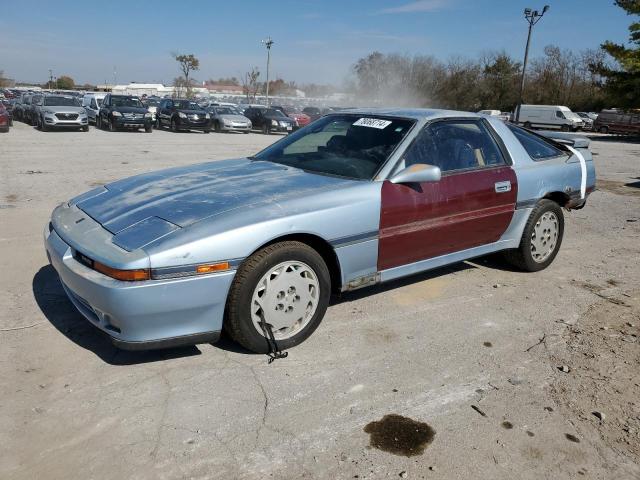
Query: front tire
(148, 128)
(604, 129)
(541, 238)
(112, 125)
(288, 284)
(265, 129)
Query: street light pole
(50, 79)
(268, 42)
(532, 17)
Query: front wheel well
(321, 246)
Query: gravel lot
(472, 350)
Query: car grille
(196, 117)
(133, 115)
(66, 116)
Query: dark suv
(617, 121)
(180, 114)
(123, 111)
(269, 120)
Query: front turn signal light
(212, 267)
(124, 275)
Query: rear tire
(541, 238)
(604, 129)
(294, 261)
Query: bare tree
(250, 84)
(188, 63)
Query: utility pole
(267, 43)
(532, 17)
(50, 79)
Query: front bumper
(186, 123)
(147, 314)
(55, 122)
(124, 122)
(281, 128)
(235, 127)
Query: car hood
(234, 118)
(130, 109)
(280, 119)
(192, 112)
(62, 109)
(187, 195)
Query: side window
(94, 105)
(455, 145)
(559, 114)
(536, 147)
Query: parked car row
(51, 111)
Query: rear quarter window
(538, 148)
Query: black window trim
(508, 161)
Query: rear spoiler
(575, 141)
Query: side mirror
(418, 173)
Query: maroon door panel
(462, 210)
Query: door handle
(502, 187)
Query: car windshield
(60, 102)
(224, 111)
(152, 103)
(571, 115)
(272, 112)
(126, 102)
(352, 146)
(186, 105)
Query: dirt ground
(472, 371)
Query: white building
(149, 89)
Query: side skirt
(437, 262)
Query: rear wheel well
(560, 198)
(321, 246)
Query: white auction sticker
(373, 123)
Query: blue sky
(314, 40)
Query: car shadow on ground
(59, 310)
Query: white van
(91, 103)
(549, 116)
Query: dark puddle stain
(530, 433)
(507, 425)
(488, 344)
(572, 438)
(549, 409)
(400, 435)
